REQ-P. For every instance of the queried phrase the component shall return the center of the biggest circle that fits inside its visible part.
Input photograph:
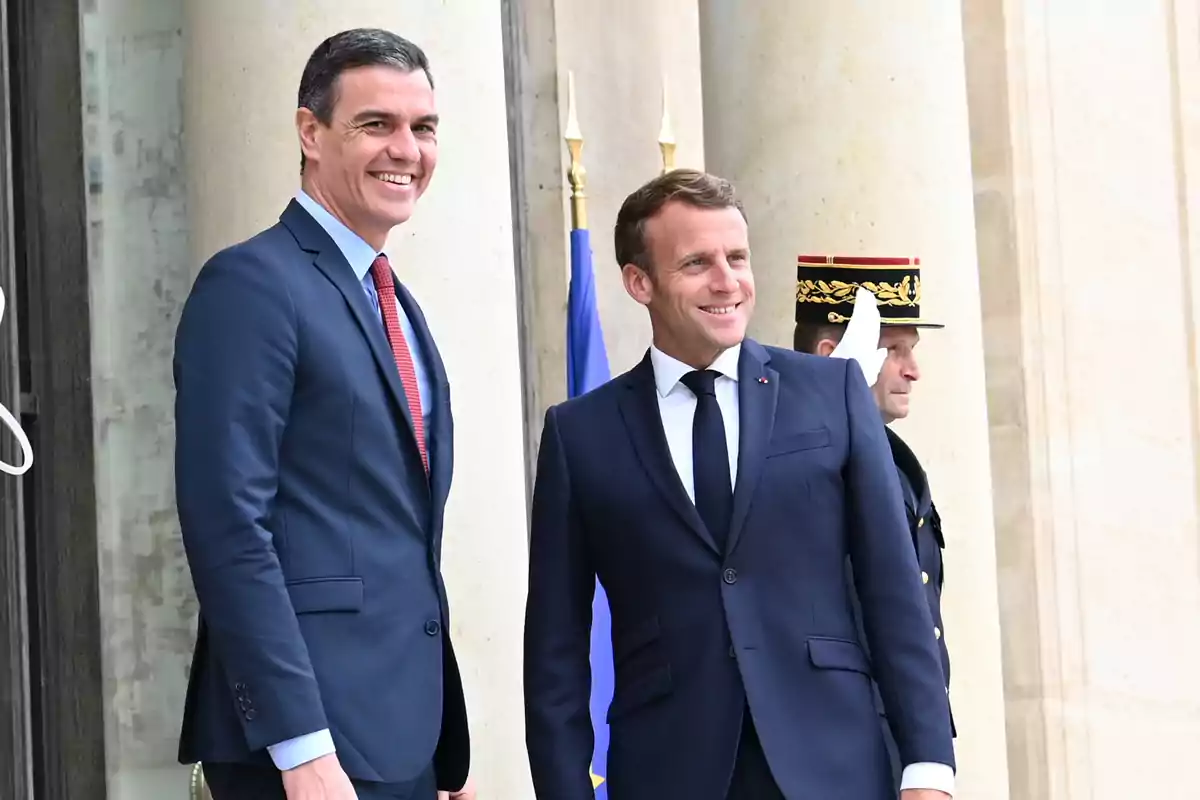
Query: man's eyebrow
(371, 113)
(374, 113)
(707, 255)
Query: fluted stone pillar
(1087, 197)
(243, 65)
(845, 128)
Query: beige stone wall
(1084, 136)
(138, 277)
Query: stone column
(243, 65)
(845, 128)
(619, 74)
(619, 71)
(1087, 198)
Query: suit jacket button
(432, 627)
(937, 633)
(251, 713)
(730, 576)
(924, 577)
(921, 522)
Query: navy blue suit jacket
(312, 531)
(697, 634)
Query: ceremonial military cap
(826, 285)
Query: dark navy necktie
(710, 457)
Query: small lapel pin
(762, 380)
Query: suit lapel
(339, 273)
(758, 394)
(639, 409)
(907, 463)
(440, 438)
(312, 238)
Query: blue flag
(587, 361)
(587, 368)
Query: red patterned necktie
(381, 273)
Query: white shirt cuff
(924, 775)
(301, 750)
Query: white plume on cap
(860, 342)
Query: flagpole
(666, 136)
(587, 368)
(577, 174)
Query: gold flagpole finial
(577, 174)
(666, 136)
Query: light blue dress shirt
(359, 255)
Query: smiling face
(375, 157)
(698, 285)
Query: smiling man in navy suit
(716, 490)
(313, 461)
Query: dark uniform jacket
(926, 528)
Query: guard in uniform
(825, 292)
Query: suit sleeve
(236, 353)
(558, 616)
(895, 615)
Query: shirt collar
(669, 370)
(358, 254)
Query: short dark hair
(809, 334)
(358, 47)
(695, 188)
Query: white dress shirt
(677, 406)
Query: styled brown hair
(695, 188)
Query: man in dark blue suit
(717, 490)
(313, 461)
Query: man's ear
(638, 284)
(307, 126)
(825, 347)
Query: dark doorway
(51, 688)
(15, 754)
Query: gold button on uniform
(937, 633)
(920, 522)
(924, 577)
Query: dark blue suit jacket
(698, 633)
(311, 529)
